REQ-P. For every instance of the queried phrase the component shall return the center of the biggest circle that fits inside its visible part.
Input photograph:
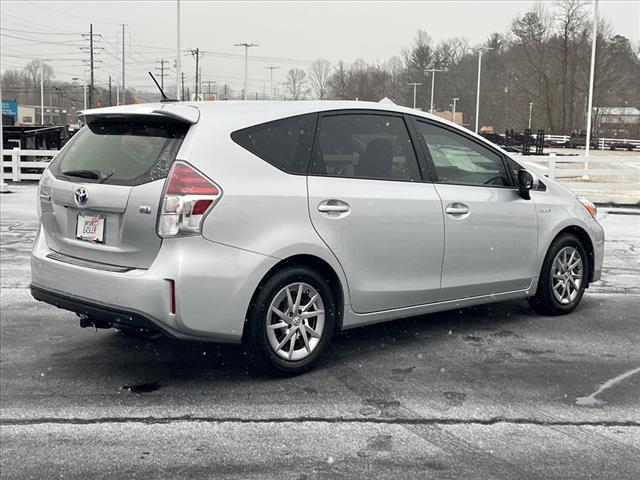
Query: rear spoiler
(182, 113)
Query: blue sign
(10, 108)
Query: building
(617, 122)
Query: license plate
(90, 228)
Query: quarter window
(286, 144)
(459, 160)
(365, 146)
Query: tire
(546, 301)
(297, 353)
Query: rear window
(286, 144)
(121, 152)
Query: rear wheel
(291, 322)
(563, 278)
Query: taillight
(188, 196)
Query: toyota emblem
(80, 196)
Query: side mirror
(527, 181)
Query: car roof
(232, 115)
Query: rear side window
(368, 146)
(121, 152)
(286, 144)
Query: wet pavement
(488, 392)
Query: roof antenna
(164, 97)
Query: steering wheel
(497, 180)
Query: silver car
(278, 224)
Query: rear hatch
(100, 196)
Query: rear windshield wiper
(82, 174)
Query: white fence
(613, 178)
(603, 143)
(606, 176)
(24, 162)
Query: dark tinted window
(121, 152)
(365, 146)
(286, 144)
(459, 160)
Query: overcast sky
(289, 33)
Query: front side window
(459, 160)
(365, 146)
(286, 144)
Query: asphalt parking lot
(488, 392)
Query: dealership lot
(488, 392)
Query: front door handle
(456, 209)
(334, 207)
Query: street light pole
(433, 78)
(530, 110)
(480, 50)
(594, 36)
(453, 109)
(415, 84)
(178, 60)
(246, 63)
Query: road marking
(592, 401)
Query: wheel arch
(322, 267)
(586, 241)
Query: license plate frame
(90, 227)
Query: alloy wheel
(566, 275)
(295, 321)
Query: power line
(35, 32)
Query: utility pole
(178, 60)
(124, 88)
(209, 82)
(530, 110)
(453, 109)
(110, 91)
(433, 78)
(414, 84)
(196, 53)
(162, 62)
(42, 92)
(91, 57)
(92, 61)
(271, 68)
(246, 64)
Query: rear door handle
(333, 207)
(456, 209)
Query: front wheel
(290, 322)
(563, 278)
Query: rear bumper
(105, 315)
(214, 284)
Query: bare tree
(571, 15)
(297, 84)
(339, 81)
(319, 77)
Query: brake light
(188, 196)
